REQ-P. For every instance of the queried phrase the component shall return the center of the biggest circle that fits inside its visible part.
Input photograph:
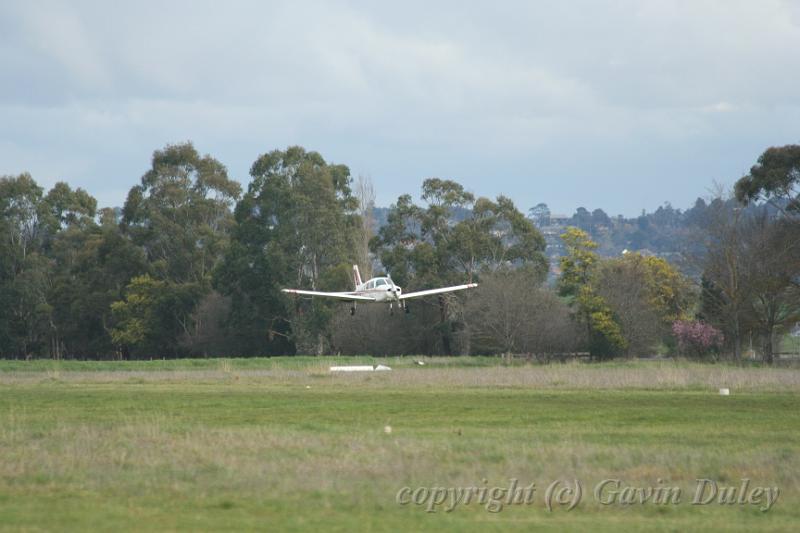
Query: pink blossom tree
(696, 338)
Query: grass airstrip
(281, 444)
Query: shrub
(696, 338)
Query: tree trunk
(320, 344)
(737, 341)
(768, 355)
(442, 323)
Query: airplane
(381, 289)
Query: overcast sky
(620, 104)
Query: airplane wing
(437, 291)
(348, 296)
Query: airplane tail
(356, 276)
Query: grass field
(280, 444)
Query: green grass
(281, 445)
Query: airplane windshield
(380, 282)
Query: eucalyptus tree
(180, 215)
(297, 226)
(31, 228)
(776, 178)
(455, 237)
(24, 311)
(94, 262)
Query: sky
(622, 105)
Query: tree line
(192, 265)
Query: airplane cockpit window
(371, 285)
(380, 282)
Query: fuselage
(382, 289)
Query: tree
(696, 338)
(578, 265)
(372, 332)
(68, 208)
(93, 265)
(430, 247)
(144, 319)
(646, 296)
(772, 251)
(726, 291)
(23, 218)
(771, 247)
(666, 216)
(600, 218)
(750, 272)
(138, 315)
(296, 226)
(697, 215)
(59, 271)
(582, 219)
(775, 178)
(455, 237)
(365, 193)
(540, 214)
(180, 215)
(25, 228)
(510, 313)
(577, 283)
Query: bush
(696, 338)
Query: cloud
(618, 104)
(720, 107)
(54, 37)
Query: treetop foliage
(776, 177)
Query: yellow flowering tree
(578, 272)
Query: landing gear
(353, 310)
(391, 309)
(407, 309)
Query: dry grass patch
(658, 375)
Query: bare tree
(726, 289)
(374, 331)
(511, 313)
(751, 274)
(623, 286)
(365, 193)
(206, 335)
(773, 249)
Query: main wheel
(352, 311)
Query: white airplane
(378, 290)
